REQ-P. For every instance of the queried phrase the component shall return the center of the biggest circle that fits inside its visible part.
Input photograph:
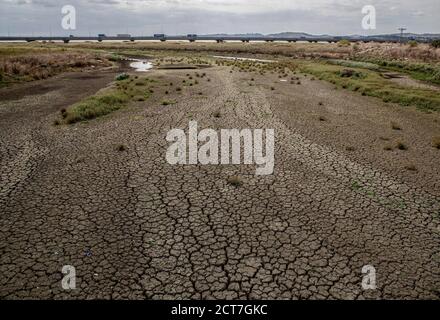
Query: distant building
(123, 35)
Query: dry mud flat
(136, 227)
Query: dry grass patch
(411, 167)
(36, 66)
(168, 102)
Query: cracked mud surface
(137, 227)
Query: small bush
(395, 126)
(435, 43)
(436, 142)
(350, 73)
(235, 181)
(114, 58)
(121, 147)
(344, 43)
(413, 43)
(401, 146)
(122, 76)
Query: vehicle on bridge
(192, 37)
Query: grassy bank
(429, 72)
(108, 100)
(370, 83)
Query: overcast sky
(145, 17)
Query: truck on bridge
(191, 37)
(159, 36)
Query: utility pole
(401, 34)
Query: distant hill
(412, 36)
(237, 35)
(391, 37)
(296, 35)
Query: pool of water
(141, 65)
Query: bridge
(193, 38)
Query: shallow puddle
(141, 65)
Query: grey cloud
(216, 16)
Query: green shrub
(95, 106)
(344, 43)
(350, 73)
(436, 43)
(115, 58)
(122, 76)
